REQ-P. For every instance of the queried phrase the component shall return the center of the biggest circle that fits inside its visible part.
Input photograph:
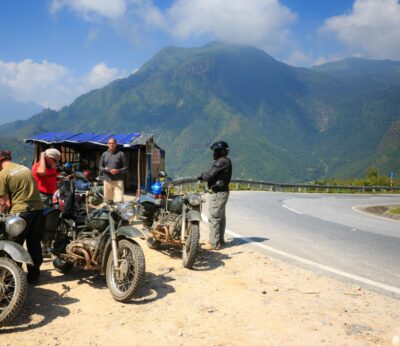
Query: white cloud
(100, 75)
(91, 8)
(371, 26)
(299, 58)
(49, 84)
(260, 22)
(31, 81)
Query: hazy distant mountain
(283, 123)
(11, 110)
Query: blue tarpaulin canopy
(81, 147)
(128, 140)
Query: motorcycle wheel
(13, 290)
(152, 243)
(62, 266)
(191, 245)
(133, 265)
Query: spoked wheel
(123, 285)
(191, 245)
(13, 289)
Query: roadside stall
(144, 158)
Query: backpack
(67, 194)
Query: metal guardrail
(243, 184)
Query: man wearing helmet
(218, 179)
(19, 195)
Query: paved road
(324, 229)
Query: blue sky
(52, 51)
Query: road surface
(322, 231)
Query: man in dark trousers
(19, 195)
(218, 179)
(113, 168)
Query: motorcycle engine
(86, 240)
(174, 223)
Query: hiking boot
(208, 246)
(46, 253)
(33, 279)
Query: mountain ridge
(283, 123)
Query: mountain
(11, 110)
(283, 123)
(375, 73)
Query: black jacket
(220, 170)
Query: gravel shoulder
(235, 296)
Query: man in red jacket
(45, 174)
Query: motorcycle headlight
(126, 211)
(194, 199)
(15, 225)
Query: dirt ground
(235, 296)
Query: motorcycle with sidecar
(173, 220)
(103, 240)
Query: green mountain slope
(283, 123)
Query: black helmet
(220, 149)
(219, 145)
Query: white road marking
(312, 263)
(291, 209)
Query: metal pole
(138, 172)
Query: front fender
(128, 232)
(194, 215)
(16, 252)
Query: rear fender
(16, 252)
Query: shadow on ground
(244, 240)
(42, 302)
(90, 277)
(154, 287)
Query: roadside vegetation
(395, 211)
(372, 178)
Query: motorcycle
(13, 282)
(101, 239)
(174, 221)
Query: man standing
(45, 174)
(218, 179)
(113, 167)
(19, 194)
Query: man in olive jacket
(218, 179)
(19, 195)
